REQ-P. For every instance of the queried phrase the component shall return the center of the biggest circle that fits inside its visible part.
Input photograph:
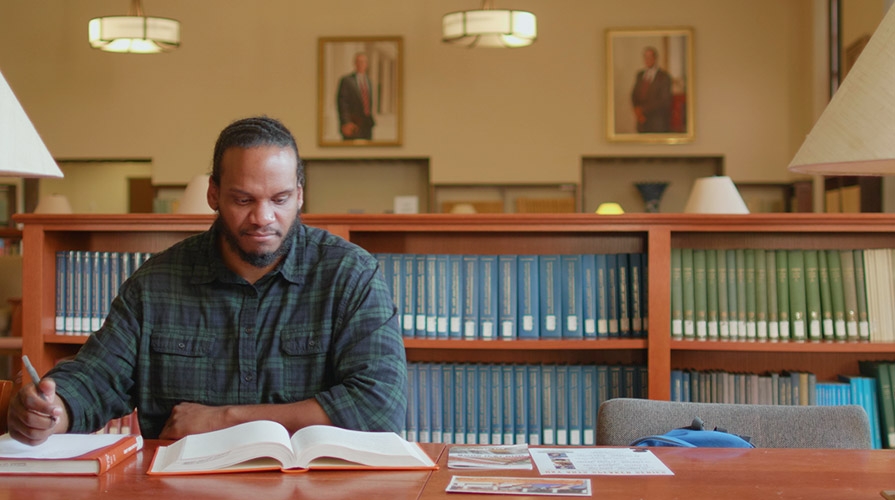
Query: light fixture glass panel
(452, 25)
(524, 24)
(163, 30)
(483, 22)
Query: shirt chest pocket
(182, 366)
(305, 361)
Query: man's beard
(256, 259)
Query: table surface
(699, 473)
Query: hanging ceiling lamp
(135, 32)
(489, 27)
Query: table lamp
(53, 204)
(609, 208)
(195, 199)
(715, 195)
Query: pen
(35, 378)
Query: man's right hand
(33, 416)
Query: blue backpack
(696, 436)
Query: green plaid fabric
(186, 328)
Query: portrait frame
(336, 60)
(658, 119)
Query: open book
(266, 445)
(63, 454)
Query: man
(652, 95)
(260, 317)
(355, 102)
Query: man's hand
(192, 418)
(33, 416)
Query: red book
(67, 454)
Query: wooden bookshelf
(654, 234)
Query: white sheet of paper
(598, 461)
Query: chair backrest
(621, 421)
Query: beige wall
(489, 116)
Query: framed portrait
(359, 91)
(649, 85)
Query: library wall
(480, 116)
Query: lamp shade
(53, 204)
(715, 195)
(855, 134)
(195, 197)
(489, 28)
(22, 152)
(134, 33)
(609, 208)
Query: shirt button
(181, 346)
(249, 377)
(248, 331)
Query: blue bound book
(529, 297)
(571, 302)
(488, 297)
(471, 282)
(551, 296)
(507, 296)
(588, 296)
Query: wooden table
(128, 481)
(716, 473)
(699, 473)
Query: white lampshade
(489, 28)
(195, 197)
(134, 33)
(855, 135)
(463, 208)
(715, 195)
(22, 152)
(53, 204)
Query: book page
(57, 446)
(227, 447)
(374, 449)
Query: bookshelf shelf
(798, 347)
(653, 234)
(527, 345)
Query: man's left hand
(192, 418)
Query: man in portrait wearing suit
(355, 102)
(652, 95)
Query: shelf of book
(653, 235)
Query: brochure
(598, 461)
(520, 486)
(512, 456)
